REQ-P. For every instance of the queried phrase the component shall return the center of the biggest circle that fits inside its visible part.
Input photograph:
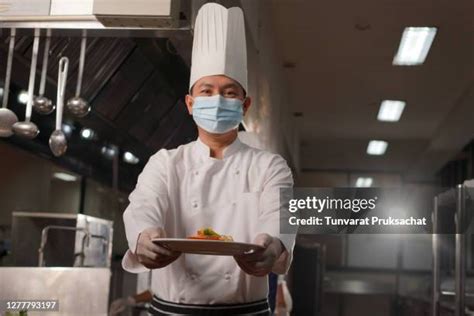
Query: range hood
(141, 14)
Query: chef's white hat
(219, 46)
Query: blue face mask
(217, 114)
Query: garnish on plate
(209, 234)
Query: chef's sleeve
(278, 176)
(148, 204)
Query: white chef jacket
(184, 189)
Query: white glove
(120, 304)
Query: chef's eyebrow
(231, 85)
(205, 85)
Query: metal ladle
(42, 104)
(77, 105)
(57, 140)
(27, 128)
(8, 117)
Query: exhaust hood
(147, 14)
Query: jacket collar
(202, 150)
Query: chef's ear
(247, 103)
(189, 103)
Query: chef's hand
(260, 263)
(119, 305)
(152, 255)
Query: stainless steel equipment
(57, 140)
(85, 242)
(27, 128)
(436, 261)
(460, 259)
(76, 105)
(30, 8)
(79, 291)
(7, 116)
(117, 13)
(454, 202)
(61, 240)
(41, 103)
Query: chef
(215, 181)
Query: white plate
(207, 247)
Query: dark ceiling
(135, 87)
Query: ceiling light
(64, 176)
(377, 147)
(87, 133)
(109, 151)
(130, 158)
(364, 182)
(1, 92)
(67, 129)
(414, 46)
(391, 110)
(23, 97)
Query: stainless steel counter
(79, 291)
(358, 283)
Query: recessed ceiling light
(23, 97)
(109, 151)
(64, 176)
(130, 158)
(67, 128)
(414, 46)
(391, 110)
(377, 147)
(364, 182)
(87, 133)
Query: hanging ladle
(42, 104)
(27, 128)
(58, 141)
(8, 117)
(77, 105)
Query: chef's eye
(230, 94)
(205, 91)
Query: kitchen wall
(63, 196)
(271, 113)
(27, 184)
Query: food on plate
(209, 234)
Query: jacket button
(227, 276)
(195, 204)
(196, 173)
(237, 172)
